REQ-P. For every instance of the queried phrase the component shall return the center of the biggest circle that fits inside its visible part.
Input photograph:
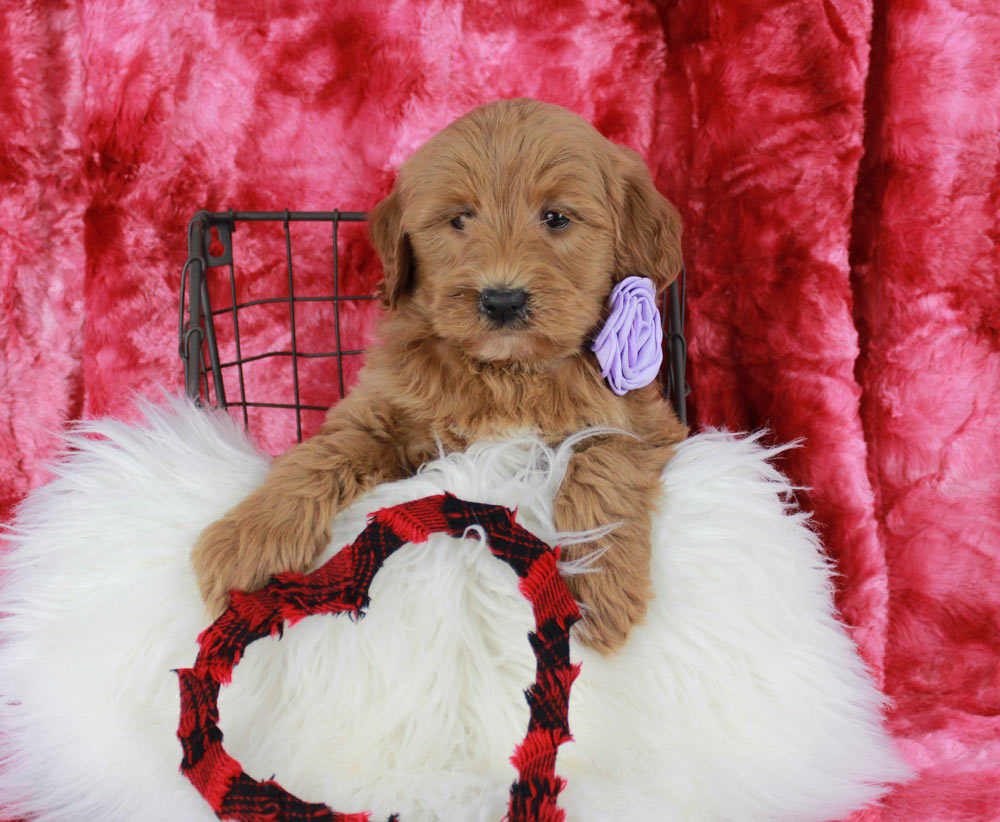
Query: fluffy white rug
(741, 698)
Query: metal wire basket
(212, 293)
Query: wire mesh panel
(256, 331)
(280, 325)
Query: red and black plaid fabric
(341, 585)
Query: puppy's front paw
(611, 605)
(249, 545)
(217, 565)
(615, 480)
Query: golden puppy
(501, 243)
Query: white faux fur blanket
(740, 698)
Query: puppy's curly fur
(527, 201)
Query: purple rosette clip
(630, 346)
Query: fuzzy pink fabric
(836, 163)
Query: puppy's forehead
(511, 150)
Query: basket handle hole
(215, 246)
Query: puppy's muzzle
(503, 306)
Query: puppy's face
(507, 231)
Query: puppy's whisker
(459, 291)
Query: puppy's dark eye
(555, 220)
(458, 221)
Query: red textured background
(836, 163)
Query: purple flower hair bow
(630, 346)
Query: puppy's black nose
(503, 306)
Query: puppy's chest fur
(438, 395)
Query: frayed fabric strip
(341, 586)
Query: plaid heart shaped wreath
(341, 586)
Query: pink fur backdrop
(836, 163)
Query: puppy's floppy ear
(647, 226)
(385, 227)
